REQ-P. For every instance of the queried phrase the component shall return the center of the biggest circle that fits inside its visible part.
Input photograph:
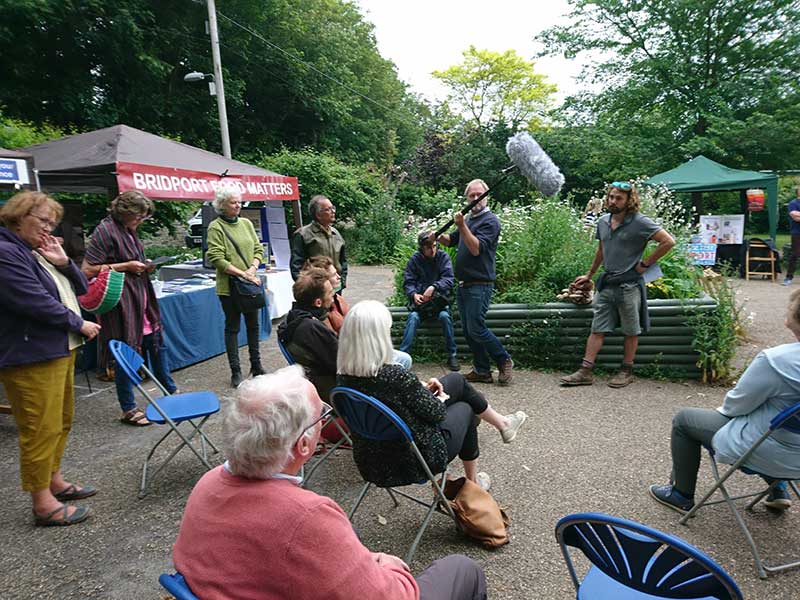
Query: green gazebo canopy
(702, 174)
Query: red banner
(179, 184)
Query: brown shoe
(621, 379)
(474, 377)
(505, 372)
(582, 376)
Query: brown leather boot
(623, 377)
(505, 372)
(583, 376)
(474, 377)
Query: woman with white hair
(441, 413)
(235, 250)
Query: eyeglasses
(327, 409)
(329, 209)
(45, 221)
(621, 185)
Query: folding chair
(172, 409)
(333, 418)
(787, 420)
(372, 419)
(631, 561)
(177, 586)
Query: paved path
(582, 449)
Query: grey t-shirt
(624, 246)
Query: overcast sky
(421, 36)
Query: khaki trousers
(42, 402)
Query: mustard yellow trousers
(42, 402)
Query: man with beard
(621, 298)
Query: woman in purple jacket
(40, 329)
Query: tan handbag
(477, 513)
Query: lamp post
(216, 79)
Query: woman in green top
(223, 255)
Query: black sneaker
(668, 496)
(778, 497)
(236, 378)
(452, 363)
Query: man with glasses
(250, 531)
(319, 238)
(428, 282)
(621, 300)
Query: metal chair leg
(363, 493)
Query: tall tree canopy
(297, 72)
(493, 88)
(716, 73)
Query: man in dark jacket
(305, 334)
(428, 283)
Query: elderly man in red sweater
(251, 532)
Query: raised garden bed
(553, 335)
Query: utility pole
(223, 111)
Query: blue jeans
(152, 355)
(473, 303)
(447, 330)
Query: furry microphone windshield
(534, 164)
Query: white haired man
(250, 530)
(319, 238)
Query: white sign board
(722, 229)
(14, 171)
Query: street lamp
(215, 85)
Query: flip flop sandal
(80, 514)
(134, 417)
(73, 493)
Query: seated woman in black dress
(441, 413)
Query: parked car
(194, 231)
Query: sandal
(135, 417)
(80, 514)
(74, 493)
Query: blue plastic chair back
(127, 359)
(177, 586)
(788, 418)
(642, 559)
(369, 417)
(286, 354)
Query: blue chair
(327, 452)
(177, 586)
(286, 354)
(631, 561)
(170, 409)
(788, 422)
(370, 418)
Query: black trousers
(233, 320)
(460, 426)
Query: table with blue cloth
(193, 325)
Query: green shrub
(374, 240)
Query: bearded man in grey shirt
(621, 300)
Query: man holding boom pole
(476, 239)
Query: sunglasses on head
(621, 185)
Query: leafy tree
(711, 70)
(497, 88)
(297, 73)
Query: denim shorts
(617, 306)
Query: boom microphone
(532, 162)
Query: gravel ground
(585, 449)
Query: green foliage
(496, 88)
(716, 333)
(375, 239)
(538, 344)
(352, 188)
(296, 73)
(542, 249)
(181, 253)
(16, 133)
(678, 78)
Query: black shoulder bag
(246, 295)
